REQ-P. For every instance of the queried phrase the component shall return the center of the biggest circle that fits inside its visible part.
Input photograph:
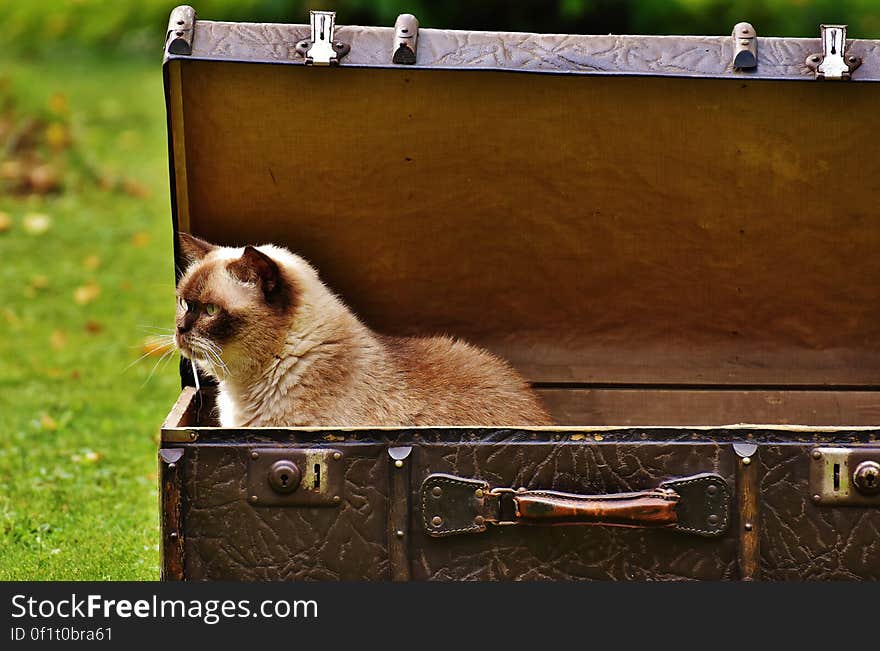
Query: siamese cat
(287, 352)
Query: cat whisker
(165, 356)
(170, 349)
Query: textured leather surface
(228, 538)
(567, 553)
(675, 55)
(802, 541)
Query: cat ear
(193, 248)
(256, 266)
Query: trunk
(667, 236)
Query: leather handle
(698, 504)
(645, 509)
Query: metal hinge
(406, 39)
(181, 25)
(833, 62)
(745, 46)
(321, 49)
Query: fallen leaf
(155, 346)
(58, 104)
(43, 179)
(48, 423)
(37, 223)
(5, 222)
(11, 317)
(74, 375)
(92, 262)
(56, 136)
(39, 281)
(86, 293)
(598, 437)
(91, 456)
(577, 437)
(58, 339)
(93, 327)
(128, 139)
(135, 189)
(11, 170)
(140, 239)
(107, 181)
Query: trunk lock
(845, 476)
(284, 476)
(294, 476)
(866, 477)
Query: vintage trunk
(679, 253)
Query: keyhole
(317, 475)
(869, 479)
(284, 479)
(837, 476)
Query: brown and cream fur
(287, 352)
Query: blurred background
(86, 279)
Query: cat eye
(211, 309)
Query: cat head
(234, 305)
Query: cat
(286, 351)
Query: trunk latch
(321, 49)
(833, 62)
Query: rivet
(255, 455)
(399, 533)
(337, 456)
(192, 435)
(713, 519)
(747, 460)
(174, 535)
(337, 499)
(817, 454)
(436, 520)
(172, 466)
(748, 526)
(478, 493)
(711, 489)
(479, 520)
(817, 498)
(398, 464)
(436, 491)
(254, 499)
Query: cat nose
(183, 327)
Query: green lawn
(78, 432)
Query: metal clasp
(321, 49)
(745, 46)
(833, 63)
(406, 38)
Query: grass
(79, 432)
